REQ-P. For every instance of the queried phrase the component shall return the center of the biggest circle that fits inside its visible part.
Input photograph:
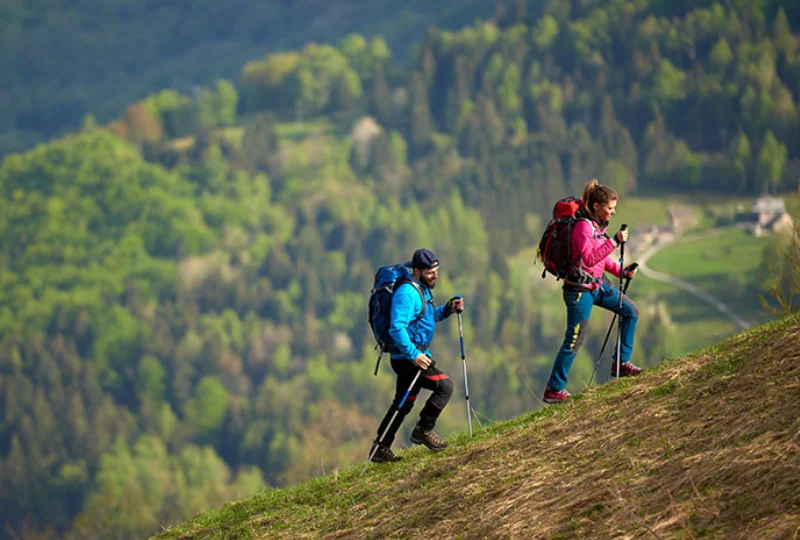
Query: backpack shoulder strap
(418, 287)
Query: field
(728, 265)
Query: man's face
(427, 277)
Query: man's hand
(456, 304)
(629, 273)
(422, 361)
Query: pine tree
(380, 102)
(422, 129)
(770, 164)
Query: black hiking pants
(431, 379)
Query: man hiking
(411, 338)
(586, 286)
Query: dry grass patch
(707, 445)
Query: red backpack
(555, 247)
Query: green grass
(653, 209)
(727, 265)
(732, 252)
(642, 210)
(687, 448)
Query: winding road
(686, 286)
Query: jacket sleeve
(612, 266)
(441, 313)
(585, 248)
(405, 306)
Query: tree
(782, 36)
(782, 265)
(259, 144)
(264, 82)
(150, 379)
(545, 32)
(380, 103)
(379, 50)
(741, 159)
(354, 47)
(226, 101)
(615, 173)
(770, 163)
(206, 409)
(667, 83)
(422, 128)
(346, 92)
(720, 56)
(143, 127)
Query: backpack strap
(577, 276)
(418, 288)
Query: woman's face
(603, 212)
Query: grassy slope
(708, 444)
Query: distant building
(767, 216)
(769, 206)
(682, 218)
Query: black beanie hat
(424, 259)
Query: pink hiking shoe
(552, 396)
(626, 369)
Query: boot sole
(373, 460)
(428, 446)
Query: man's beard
(429, 283)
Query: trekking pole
(632, 267)
(464, 362)
(386, 429)
(621, 274)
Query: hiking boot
(383, 454)
(552, 396)
(428, 438)
(626, 369)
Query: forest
(65, 59)
(185, 286)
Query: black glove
(631, 267)
(449, 306)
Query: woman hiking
(587, 286)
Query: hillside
(184, 289)
(63, 60)
(706, 445)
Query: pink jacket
(591, 248)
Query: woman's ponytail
(595, 192)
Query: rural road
(688, 287)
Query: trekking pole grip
(630, 268)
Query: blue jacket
(413, 337)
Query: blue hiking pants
(579, 308)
